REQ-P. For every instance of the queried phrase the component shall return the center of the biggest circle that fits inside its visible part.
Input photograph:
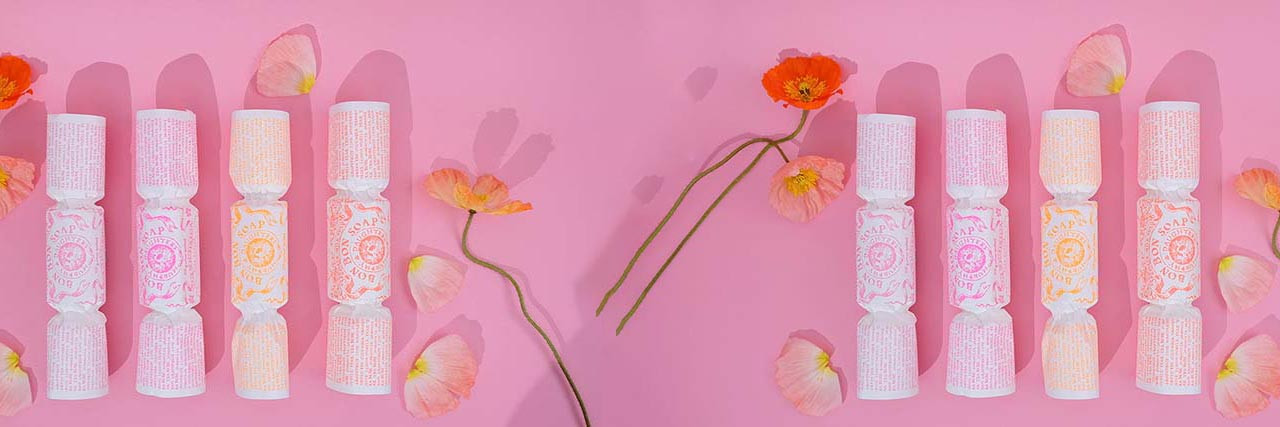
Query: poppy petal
(287, 67)
(514, 206)
(1261, 186)
(15, 385)
(443, 184)
(806, 378)
(445, 371)
(491, 192)
(434, 281)
(1097, 67)
(1249, 377)
(17, 179)
(1258, 360)
(1244, 281)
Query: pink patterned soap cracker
(359, 232)
(75, 257)
(165, 141)
(77, 355)
(977, 154)
(76, 157)
(1169, 340)
(887, 356)
(980, 355)
(886, 150)
(168, 257)
(171, 337)
(1169, 146)
(886, 257)
(171, 354)
(360, 146)
(260, 169)
(978, 257)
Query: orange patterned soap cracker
(260, 252)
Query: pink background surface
(598, 113)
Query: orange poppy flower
(1261, 186)
(488, 195)
(805, 82)
(15, 80)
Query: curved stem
(466, 250)
(688, 235)
(1274, 232)
(670, 212)
(785, 159)
(804, 117)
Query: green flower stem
(785, 159)
(670, 212)
(1274, 232)
(466, 230)
(804, 116)
(773, 144)
(688, 235)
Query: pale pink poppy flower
(803, 187)
(17, 178)
(1249, 378)
(806, 378)
(444, 372)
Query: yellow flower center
(11, 365)
(802, 182)
(1225, 263)
(419, 368)
(4, 178)
(307, 82)
(1116, 84)
(1229, 368)
(824, 363)
(7, 87)
(805, 88)
(415, 264)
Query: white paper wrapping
(171, 337)
(260, 169)
(1071, 169)
(359, 231)
(886, 257)
(980, 354)
(75, 257)
(1169, 328)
